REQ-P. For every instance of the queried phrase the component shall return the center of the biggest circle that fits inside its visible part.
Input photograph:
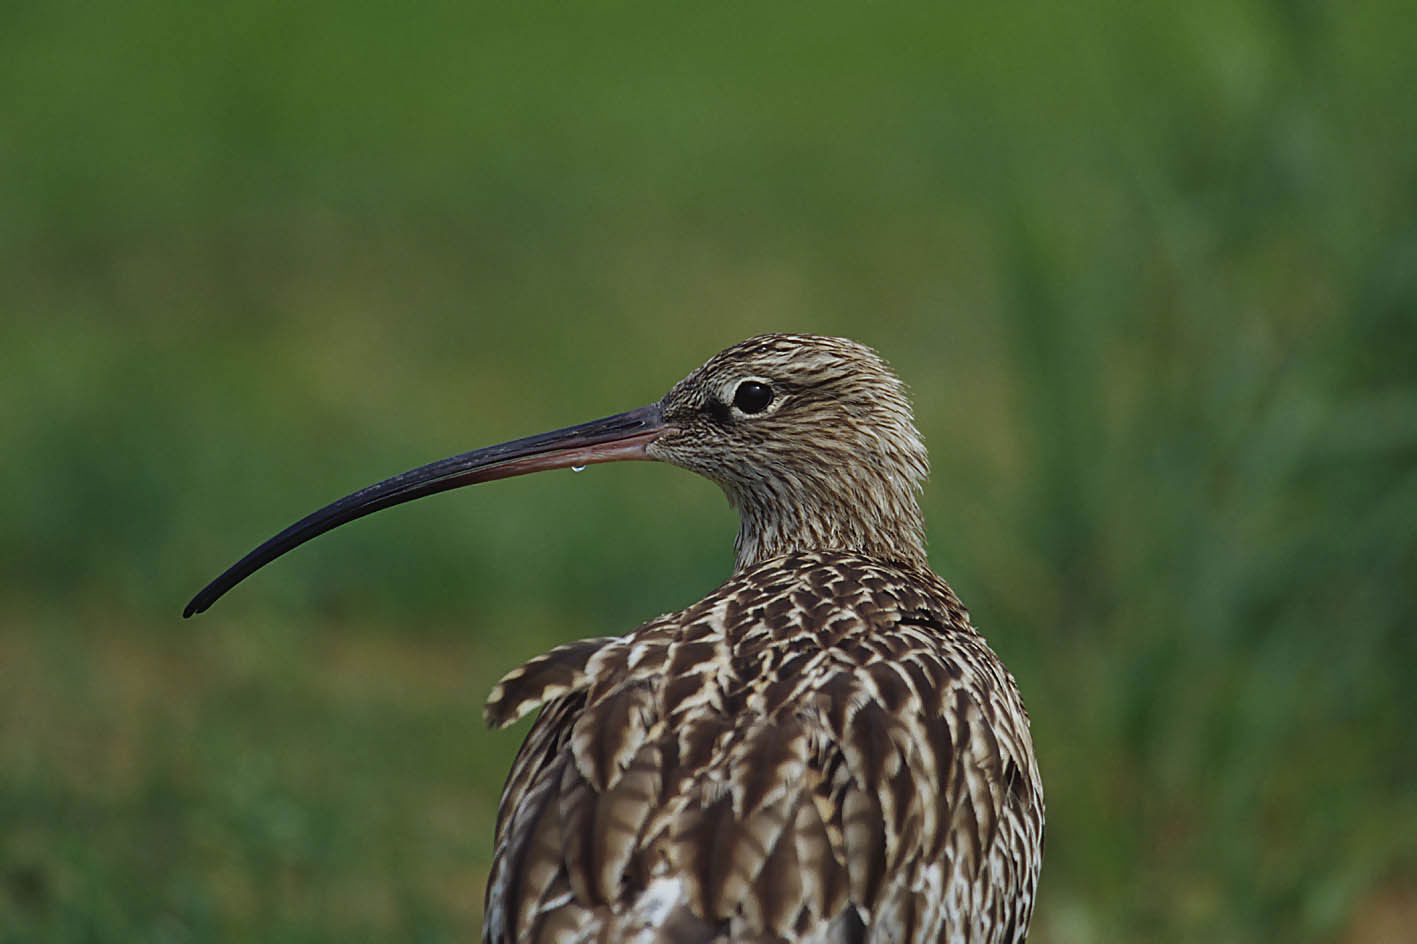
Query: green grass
(1151, 274)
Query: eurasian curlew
(823, 749)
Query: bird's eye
(752, 396)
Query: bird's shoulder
(769, 621)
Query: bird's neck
(885, 526)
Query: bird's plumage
(824, 749)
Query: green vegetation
(1152, 275)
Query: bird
(822, 749)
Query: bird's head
(810, 437)
(812, 440)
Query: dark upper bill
(614, 438)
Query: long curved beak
(612, 439)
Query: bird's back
(823, 749)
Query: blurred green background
(1151, 273)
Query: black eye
(752, 397)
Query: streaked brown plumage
(822, 749)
